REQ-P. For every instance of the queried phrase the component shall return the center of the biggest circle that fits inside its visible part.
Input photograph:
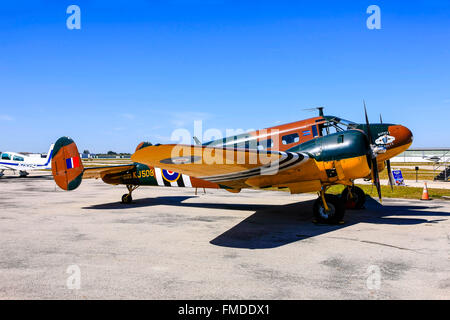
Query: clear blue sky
(137, 70)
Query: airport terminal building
(429, 155)
(439, 158)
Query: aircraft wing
(225, 166)
(6, 167)
(100, 172)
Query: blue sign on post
(398, 177)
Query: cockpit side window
(327, 128)
(6, 156)
(17, 158)
(334, 129)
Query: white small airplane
(22, 163)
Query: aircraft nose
(402, 135)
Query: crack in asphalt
(377, 243)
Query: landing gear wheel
(126, 198)
(336, 211)
(356, 201)
(23, 174)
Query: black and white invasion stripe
(287, 160)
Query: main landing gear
(127, 198)
(23, 174)
(330, 209)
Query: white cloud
(128, 116)
(5, 117)
(182, 119)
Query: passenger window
(290, 138)
(340, 138)
(265, 144)
(17, 158)
(5, 156)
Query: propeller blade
(391, 180)
(374, 172)
(376, 178)
(381, 119)
(369, 134)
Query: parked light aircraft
(19, 162)
(304, 156)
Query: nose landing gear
(353, 197)
(127, 198)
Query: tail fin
(67, 167)
(48, 158)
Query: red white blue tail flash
(72, 163)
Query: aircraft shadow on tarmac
(268, 229)
(273, 226)
(177, 201)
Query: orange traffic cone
(425, 195)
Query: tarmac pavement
(171, 244)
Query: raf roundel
(170, 176)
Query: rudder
(67, 167)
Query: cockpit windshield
(335, 124)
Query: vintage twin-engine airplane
(304, 156)
(19, 162)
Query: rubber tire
(126, 198)
(336, 207)
(358, 194)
